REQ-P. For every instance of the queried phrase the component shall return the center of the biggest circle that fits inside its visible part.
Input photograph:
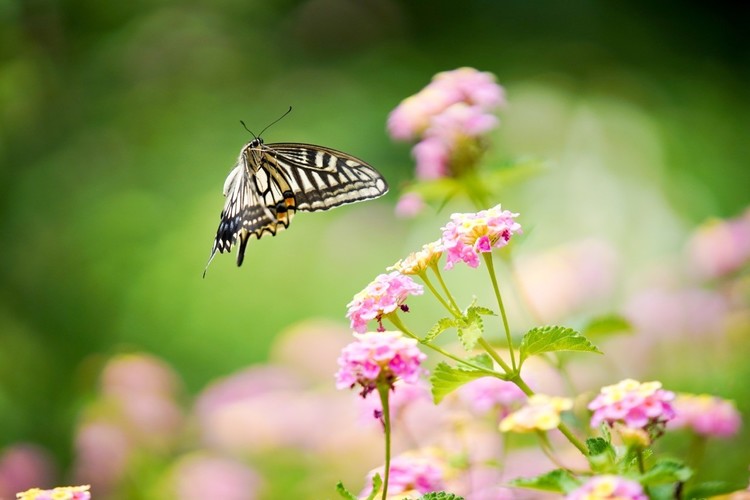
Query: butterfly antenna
(275, 121)
(251, 132)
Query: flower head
(60, 493)
(409, 205)
(419, 261)
(469, 234)
(379, 357)
(706, 415)
(411, 473)
(381, 297)
(720, 247)
(489, 393)
(540, 413)
(608, 487)
(634, 404)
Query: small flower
(489, 393)
(720, 247)
(409, 205)
(540, 413)
(432, 156)
(469, 234)
(379, 357)
(410, 473)
(417, 262)
(60, 493)
(381, 297)
(608, 487)
(706, 415)
(634, 404)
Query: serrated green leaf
(609, 324)
(552, 339)
(484, 311)
(442, 325)
(446, 379)
(712, 489)
(470, 330)
(483, 361)
(602, 455)
(557, 481)
(343, 492)
(440, 495)
(666, 471)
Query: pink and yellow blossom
(706, 415)
(469, 234)
(633, 404)
(418, 262)
(541, 413)
(411, 473)
(608, 487)
(59, 493)
(382, 296)
(381, 357)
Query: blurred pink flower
(410, 205)
(23, 466)
(135, 374)
(469, 234)
(382, 296)
(489, 393)
(410, 473)
(199, 476)
(59, 493)
(634, 404)
(720, 247)
(563, 280)
(540, 413)
(706, 415)
(460, 120)
(472, 86)
(403, 395)
(608, 487)
(379, 357)
(432, 156)
(102, 453)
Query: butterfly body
(270, 182)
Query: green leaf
(712, 489)
(470, 329)
(442, 325)
(483, 361)
(446, 379)
(377, 483)
(558, 481)
(552, 339)
(609, 324)
(472, 309)
(602, 456)
(343, 492)
(440, 495)
(667, 471)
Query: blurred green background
(120, 120)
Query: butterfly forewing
(270, 182)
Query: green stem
(383, 390)
(436, 270)
(639, 456)
(547, 449)
(393, 317)
(453, 309)
(494, 355)
(491, 269)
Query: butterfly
(270, 182)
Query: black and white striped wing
(323, 178)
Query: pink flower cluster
(721, 247)
(379, 357)
(450, 111)
(410, 474)
(706, 415)
(59, 493)
(608, 487)
(636, 405)
(469, 234)
(489, 393)
(381, 297)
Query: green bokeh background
(120, 120)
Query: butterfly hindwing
(270, 182)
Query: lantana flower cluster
(59, 493)
(541, 413)
(413, 474)
(489, 393)
(383, 296)
(381, 357)
(448, 117)
(608, 487)
(469, 234)
(706, 415)
(631, 403)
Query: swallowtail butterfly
(270, 182)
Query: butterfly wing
(323, 178)
(270, 182)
